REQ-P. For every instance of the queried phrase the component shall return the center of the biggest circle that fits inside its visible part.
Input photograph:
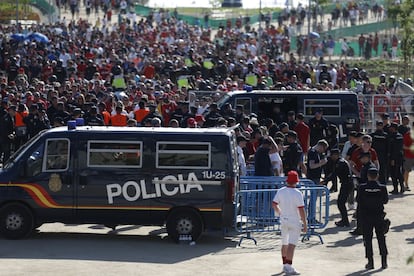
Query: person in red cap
(191, 123)
(289, 205)
(200, 120)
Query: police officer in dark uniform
(262, 163)
(36, 121)
(318, 126)
(371, 199)
(365, 158)
(94, 119)
(396, 157)
(324, 75)
(405, 125)
(292, 156)
(212, 116)
(153, 113)
(7, 132)
(386, 119)
(332, 135)
(12, 69)
(380, 144)
(328, 170)
(341, 170)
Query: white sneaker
(286, 268)
(292, 271)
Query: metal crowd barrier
(269, 182)
(254, 212)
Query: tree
(402, 16)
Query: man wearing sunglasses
(356, 166)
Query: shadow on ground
(112, 246)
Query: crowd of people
(295, 141)
(141, 72)
(365, 164)
(146, 72)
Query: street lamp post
(259, 42)
(308, 48)
(50, 12)
(17, 12)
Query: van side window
(111, 154)
(246, 103)
(183, 155)
(57, 155)
(330, 107)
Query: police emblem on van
(55, 183)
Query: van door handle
(83, 180)
(67, 179)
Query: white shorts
(290, 230)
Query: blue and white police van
(185, 179)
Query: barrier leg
(311, 232)
(249, 237)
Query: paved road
(131, 250)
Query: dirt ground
(133, 250)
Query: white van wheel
(185, 222)
(16, 221)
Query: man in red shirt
(356, 166)
(408, 157)
(303, 132)
(355, 162)
(167, 108)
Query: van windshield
(223, 100)
(9, 163)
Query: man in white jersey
(288, 204)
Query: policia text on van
(185, 178)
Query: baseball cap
(335, 151)
(292, 177)
(292, 133)
(254, 121)
(191, 122)
(394, 125)
(242, 138)
(283, 125)
(200, 118)
(373, 171)
(300, 116)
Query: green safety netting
(44, 6)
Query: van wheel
(16, 221)
(184, 222)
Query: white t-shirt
(242, 162)
(289, 200)
(276, 161)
